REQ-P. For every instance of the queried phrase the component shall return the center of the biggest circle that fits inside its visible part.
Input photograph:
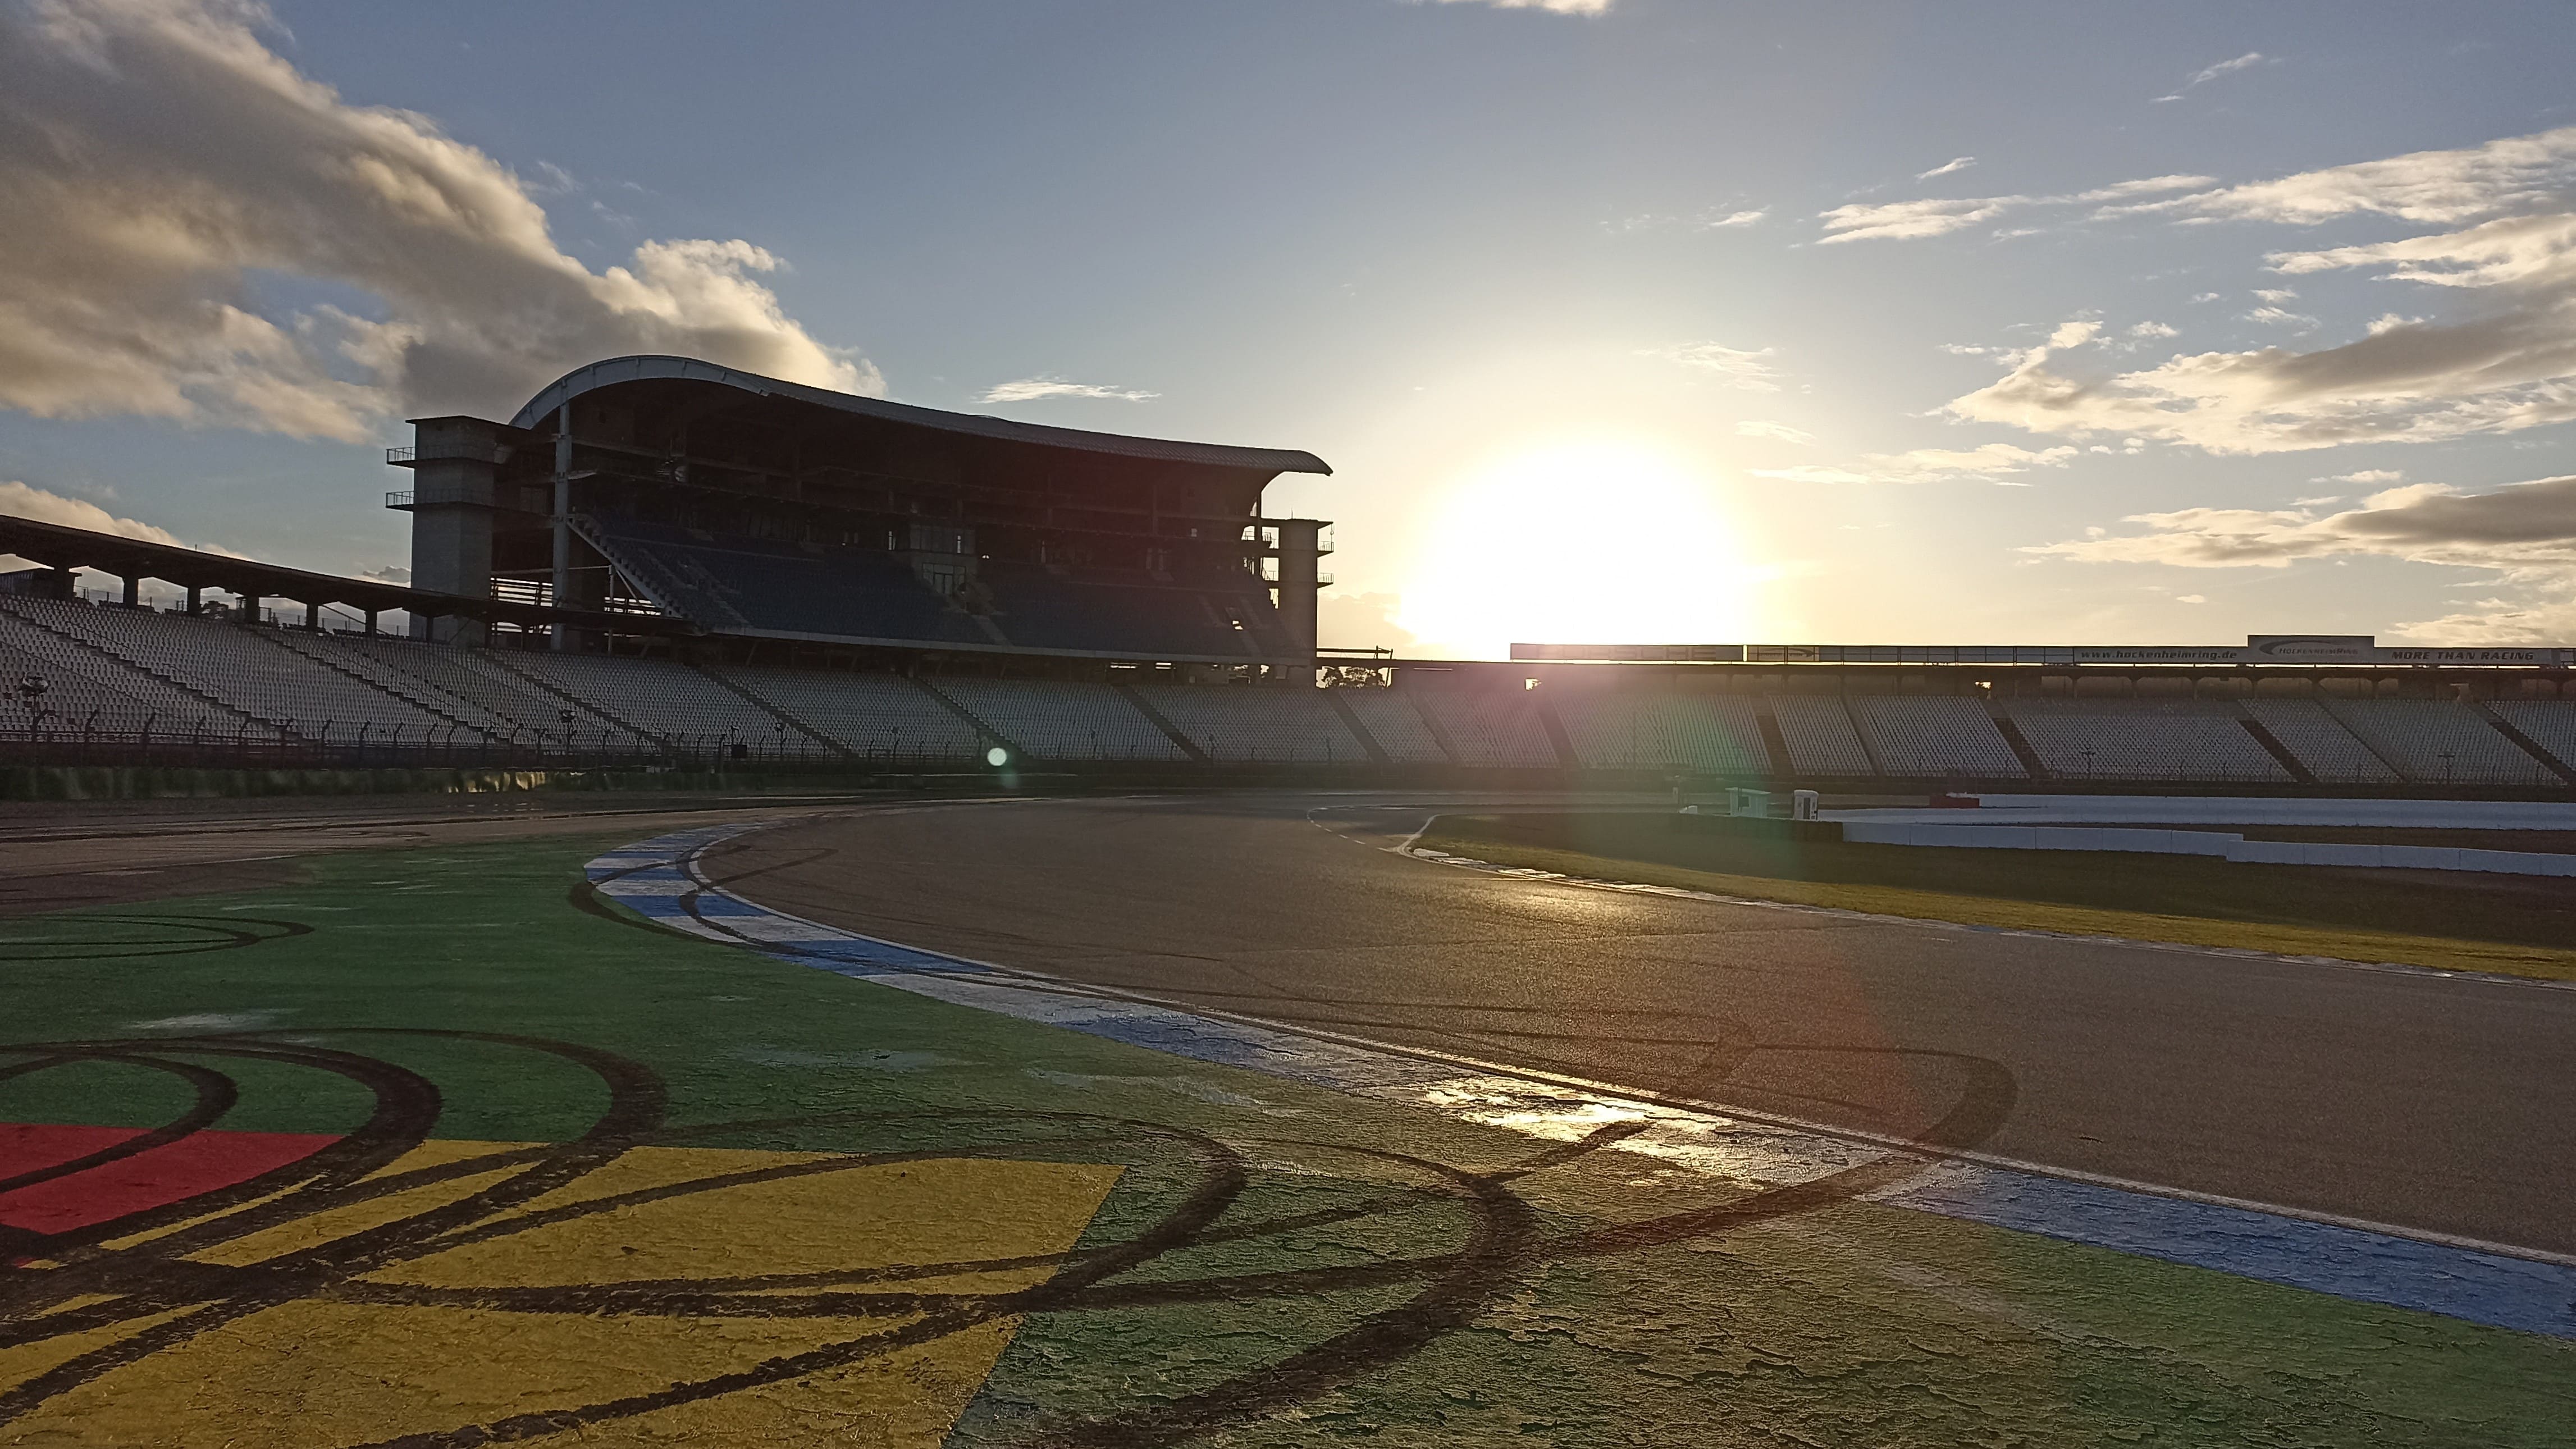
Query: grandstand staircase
(419, 697)
(1173, 732)
(962, 712)
(2019, 743)
(1439, 733)
(1557, 738)
(674, 596)
(1774, 743)
(1350, 717)
(544, 686)
(2395, 766)
(2272, 746)
(121, 659)
(2523, 742)
(780, 710)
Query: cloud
(1561, 7)
(18, 500)
(1029, 389)
(2191, 598)
(1781, 431)
(1913, 220)
(1734, 218)
(2283, 317)
(2207, 74)
(1988, 461)
(1734, 367)
(1955, 163)
(2149, 331)
(2524, 528)
(2442, 188)
(158, 162)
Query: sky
(1618, 320)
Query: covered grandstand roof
(59, 547)
(625, 371)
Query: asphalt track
(2440, 1104)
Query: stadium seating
(2331, 752)
(89, 691)
(350, 657)
(1819, 734)
(1038, 608)
(2438, 742)
(729, 581)
(876, 716)
(248, 671)
(2143, 740)
(1277, 723)
(669, 701)
(1717, 732)
(1490, 727)
(2551, 724)
(1391, 719)
(526, 710)
(740, 582)
(112, 671)
(1063, 721)
(1934, 736)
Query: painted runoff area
(2479, 1283)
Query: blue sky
(1854, 322)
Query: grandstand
(122, 682)
(658, 561)
(2144, 740)
(744, 508)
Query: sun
(1596, 541)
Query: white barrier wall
(2210, 843)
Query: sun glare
(1591, 542)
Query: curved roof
(617, 370)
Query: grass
(2509, 925)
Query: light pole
(31, 692)
(565, 717)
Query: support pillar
(455, 469)
(371, 623)
(133, 591)
(1300, 546)
(196, 598)
(313, 618)
(563, 639)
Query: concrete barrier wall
(2210, 843)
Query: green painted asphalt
(1312, 1266)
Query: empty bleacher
(668, 701)
(2551, 724)
(246, 670)
(1391, 719)
(1063, 721)
(1268, 723)
(869, 593)
(1933, 736)
(2143, 740)
(1821, 738)
(875, 716)
(526, 710)
(86, 690)
(1717, 732)
(2331, 752)
(1490, 727)
(2438, 742)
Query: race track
(2437, 1104)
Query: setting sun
(1582, 542)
